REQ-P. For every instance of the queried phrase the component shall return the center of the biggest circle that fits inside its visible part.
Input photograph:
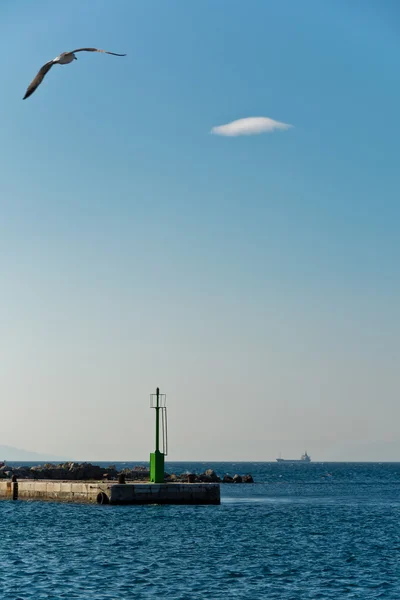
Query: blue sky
(255, 279)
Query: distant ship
(304, 459)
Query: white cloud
(250, 126)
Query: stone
(209, 476)
(227, 479)
(136, 474)
(68, 472)
(203, 478)
(73, 471)
(210, 473)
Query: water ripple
(260, 543)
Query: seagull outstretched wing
(96, 50)
(38, 79)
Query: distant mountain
(9, 454)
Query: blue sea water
(299, 532)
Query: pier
(111, 493)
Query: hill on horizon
(9, 454)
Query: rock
(227, 479)
(247, 479)
(209, 476)
(69, 472)
(136, 474)
(237, 479)
(88, 471)
(210, 473)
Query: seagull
(64, 59)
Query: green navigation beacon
(158, 402)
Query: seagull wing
(38, 79)
(95, 50)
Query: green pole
(157, 457)
(158, 421)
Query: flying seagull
(64, 59)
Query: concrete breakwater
(72, 471)
(84, 482)
(111, 493)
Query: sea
(301, 531)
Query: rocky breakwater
(72, 471)
(209, 476)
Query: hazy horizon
(20, 454)
(215, 214)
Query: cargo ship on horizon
(305, 458)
